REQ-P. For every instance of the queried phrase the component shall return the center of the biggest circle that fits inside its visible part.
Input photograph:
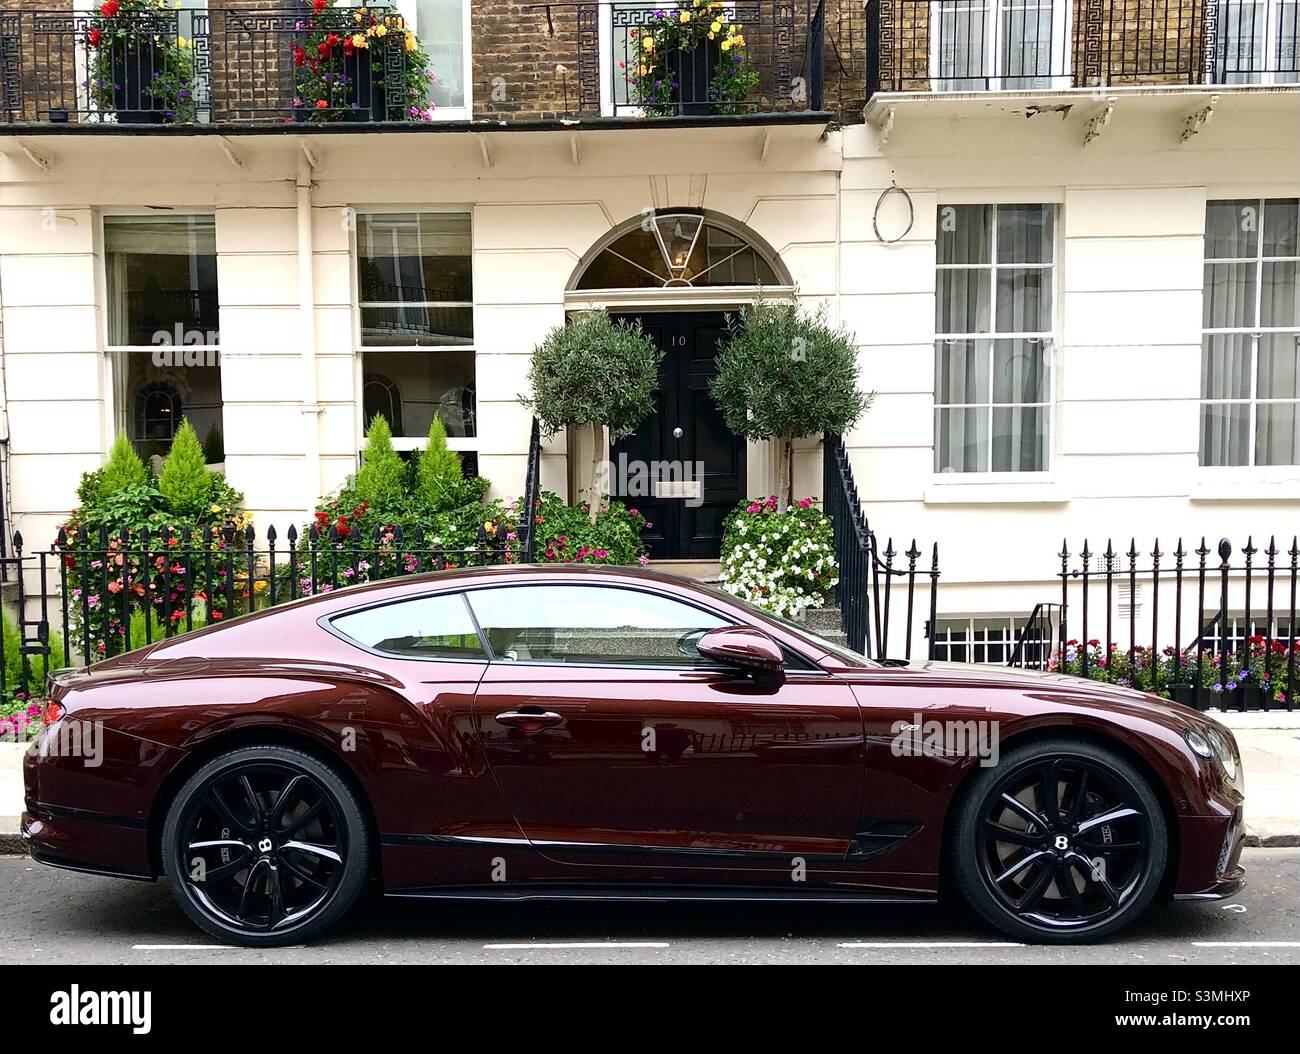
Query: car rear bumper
(90, 842)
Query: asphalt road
(51, 916)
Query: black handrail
(532, 490)
(866, 573)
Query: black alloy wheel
(1061, 842)
(265, 846)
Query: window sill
(1246, 489)
(995, 493)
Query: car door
(614, 742)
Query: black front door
(683, 467)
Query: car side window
(590, 624)
(437, 627)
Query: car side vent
(873, 838)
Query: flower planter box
(1197, 698)
(362, 98)
(133, 67)
(693, 70)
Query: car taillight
(53, 712)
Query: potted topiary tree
(594, 373)
(785, 375)
(186, 483)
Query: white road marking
(183, 947)
(1246, 944)
(576, 944)
(930, 944)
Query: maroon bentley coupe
(604, 734)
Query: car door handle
(529, 722)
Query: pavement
(1270, 754)
(59, 917)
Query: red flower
(299, 56)
(323, 49)
(94, 37)
(349, 49)
(109, 9)
(332, 40)
(318, 6)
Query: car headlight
(1199, 744)
(1223, 752)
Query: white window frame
(1254, 332)
(1268, 43)
(1060, 72)
(407, 443)
(407, 9)
(104, 290)
(942, 643)
(1047, 336)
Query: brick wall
(251, 59)
(37, 74)
(516, 56)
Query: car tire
(1087, 867)
(307, 871)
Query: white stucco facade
(1125, 362)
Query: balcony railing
(191, 66)
(1036, 45)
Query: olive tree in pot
(594, 373)
(786, 375)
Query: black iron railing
(532, 491)
(870, 576)
(195, 65)
(1211, 627)
(972, 45)
(643, 58)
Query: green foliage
(124, 469)
(380, 479)
(439, 476)
(13, 699)
(565, 534)
(594, 371)
(783, 374)
(186, 483)
(781, 561)
(110, 582)
(214, 446)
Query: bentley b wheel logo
(1062, 843)
(264, 846)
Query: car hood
(1077, 689)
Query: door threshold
(699, 570)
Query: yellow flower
(411, 42)
(712, 34)
(358, 40)
(739, 41)
(643, 71)
(716, 26)
(686, 16)
(380, 30)
(216, 507)
(726, 44)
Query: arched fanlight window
(680, 248)
(379, 395)
(158, 412)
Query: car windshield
(839, 650)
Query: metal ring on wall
(893, 188)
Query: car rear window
(437, 627)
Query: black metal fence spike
(272, 536)
(1225, 550)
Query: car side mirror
(746, 648)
